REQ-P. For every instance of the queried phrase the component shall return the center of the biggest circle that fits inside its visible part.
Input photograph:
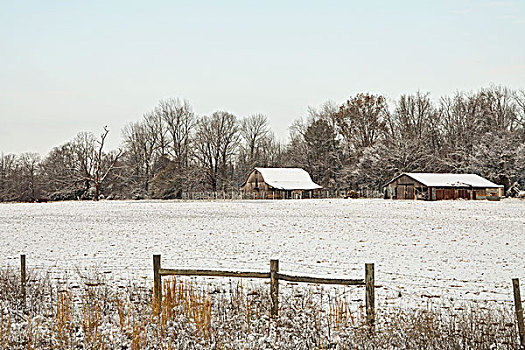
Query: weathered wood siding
(493, 194)
(255, 182)
(405, 187)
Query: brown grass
(231, 316)
(5, 328)
(63, 319)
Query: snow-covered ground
(457, 250)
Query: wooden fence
(241, 195)
(275, 276)
(519, 310)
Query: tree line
(361, 143)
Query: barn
(279, 183)
(435, 186)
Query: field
(443, 274)
(447, 250)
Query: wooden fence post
(370, 295)
(519, 310)
(23, 278)
(157, 283)
(274, 287)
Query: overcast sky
(67, 66)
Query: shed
(436, 186)
(279, 183)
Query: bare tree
(254, 130)
(8, 177)
(255, 134)
(180, 123)
(30, 163)
(103, 165)
(135, 147)
(84, 147)
(143, 142)
(413, 117)
(272, 152)
(499, 110)
(362, 120)
(216, 141)
(58, 170)
(296, 150)
(157, 135)
(77, 169)
(321, 159)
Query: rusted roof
(449, 180)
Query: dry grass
(5, 328)
(63, 319)
(229, 316)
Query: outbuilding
(436, 186)
(279, 183)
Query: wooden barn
(433, 186)
(279, 183)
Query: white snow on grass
(459, 250)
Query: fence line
(274, 276)
(241, 195)
(277, 276)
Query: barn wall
(451, 193)
(405, 187)
(493, 194)
(255, 182)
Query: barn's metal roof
(288, 178)
(450, 180)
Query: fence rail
(275, 277)
(213, 273)
(319, 280)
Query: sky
(70, 66)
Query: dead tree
(103, 166)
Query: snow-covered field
(457, 250)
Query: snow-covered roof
(288, 178)
(450, 180)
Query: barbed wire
(453, 279)
(103, 261)
(65, 267)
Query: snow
(288, 178)
(451, 180)
(460, 250)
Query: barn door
(409, 192)
(400, 190)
